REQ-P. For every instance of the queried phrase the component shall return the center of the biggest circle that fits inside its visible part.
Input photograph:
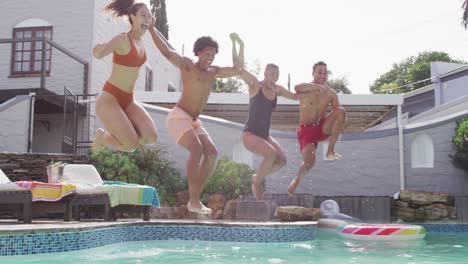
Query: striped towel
(127, 193)
(49, 192)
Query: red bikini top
(132, 58)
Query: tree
(158, 9)
(465, 14)
(340, 85)
(235, 84)
(231, 85)
(411, 70)
(460, 159)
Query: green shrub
(231, 179)
(144, 166)
(460, 159)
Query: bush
(460, 159)
(144, 166)
(231, 179)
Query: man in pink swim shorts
(183, 123)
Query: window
(422, 152)
(170, 87)
(149, 80)
(27, 55)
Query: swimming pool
(244, 243)
(437, 248)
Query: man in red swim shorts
(315, 125)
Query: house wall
(454, 87)
(14, 115)
(72, 29)
(414, 105)
(458, 105)
(370, 166)
(449, 81)
(443, 177)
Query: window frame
(32, 52)
(425, 143)
(148, 80)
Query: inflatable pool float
(330, 223)
(331, 218)
(382, 232)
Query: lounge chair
(85, 176)
(49, 197)
(86, 193)
(11, 194)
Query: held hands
(233, 36)
(238, 59)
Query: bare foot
(97, 145)
(198, 208)
(292, 187)
(333, 156)
(257, 189)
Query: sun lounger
(20, 198)
(86, 176)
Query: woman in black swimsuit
(256, 136)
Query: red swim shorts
(311, 133)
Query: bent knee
(271, 155)
(281, 162)
(149, 139)
(341, 111)
(129, 144)
(309, 166)
(128, 147)
(211, 153)
(309, 163)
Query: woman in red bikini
(126, 122)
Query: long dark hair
(120, 8)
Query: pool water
(327, 248)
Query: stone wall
(32, 166)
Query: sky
(359, 40)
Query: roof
(363, 111)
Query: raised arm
(102, 50)
(280, 90)
(307, 87)
(171, 55)
(251, 81)
(237, 59)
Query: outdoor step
(255, 210)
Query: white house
(73, 28)
(414, 155)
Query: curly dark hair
(318, 64)
(119, 8)
(204, 42)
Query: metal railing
(43, 71)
